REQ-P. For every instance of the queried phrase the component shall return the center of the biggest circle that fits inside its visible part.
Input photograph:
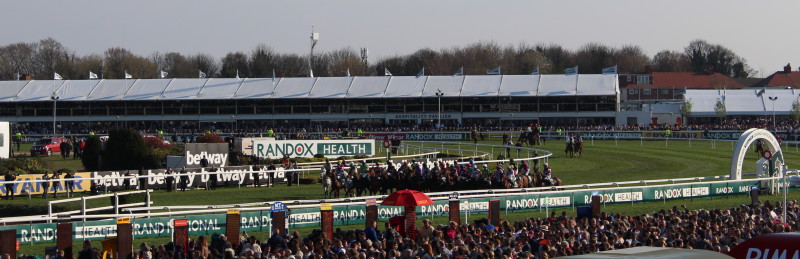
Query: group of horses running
(355, 181)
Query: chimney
(648, 69)
(788, 68)
(710, 70)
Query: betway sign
(309, 148)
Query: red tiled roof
(690, 81)
(781, 78)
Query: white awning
(9, 89)
(256, 88)
(183, 89)
(481, 86)
(219, 88)
(39, 90)
(331, 87)
(147, 89)
(297, 87)
(110, 89)
(368, 87)
(519, 85)
(405, 86)
(76, 90)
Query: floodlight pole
(54, 97)
(773, 99)
(439, 95)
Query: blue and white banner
(610, 70)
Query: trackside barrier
(210, 221)
(116, 206)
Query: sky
(764, 32)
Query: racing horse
(540, 181)
(579, 147)
(760, 148)
(570, 150)
(332, 185)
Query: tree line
(48, 56)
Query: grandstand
(271, 102)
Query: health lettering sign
(310, 148)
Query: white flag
(164, 74)
(460, 72)
(386, 72)
(17, 76)
(495, 71)
(610, 70)
(201, 75)
(421, 72)
(237, 73)
(348, 72)
(92, 75)
(535, 71)
(571, 71)
(128, 76)
(56, 76)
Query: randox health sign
(308, 148)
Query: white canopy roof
(110, 90)
(9, 89)
(305, 87)
(331, 87)
(743, 101)
(368, 87)
(183, 88)
(76, 90)
(405, 86)
(519, 85)
(449, 85)
(38, 90)
(297, 87)
(254, 88)
(219, 88)
(147, 89)
(481, 86)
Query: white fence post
(83, 207)
(116, 203)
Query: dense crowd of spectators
(718, 230)
(782, 124)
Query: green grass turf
(602, 161)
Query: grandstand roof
(310, 87)
(742, 102)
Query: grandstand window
(643, 80)
(664, 91)
(646, 91)
(631, 91)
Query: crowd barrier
(210, 221)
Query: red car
(47, 146)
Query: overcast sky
(765, 32)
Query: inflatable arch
(748, 138)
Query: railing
(116, 206)
(308, 204)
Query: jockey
(511, 175)
(524, 168)
(547, 173)
(498, 175)
(485, 172)
(364, 168)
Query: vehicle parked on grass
(46, 146)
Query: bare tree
(670, 61)
(205, 63)
(16, 58)
(262, 61)
(49, 55)
(593, 57)
(630, 59)
(234, 63)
